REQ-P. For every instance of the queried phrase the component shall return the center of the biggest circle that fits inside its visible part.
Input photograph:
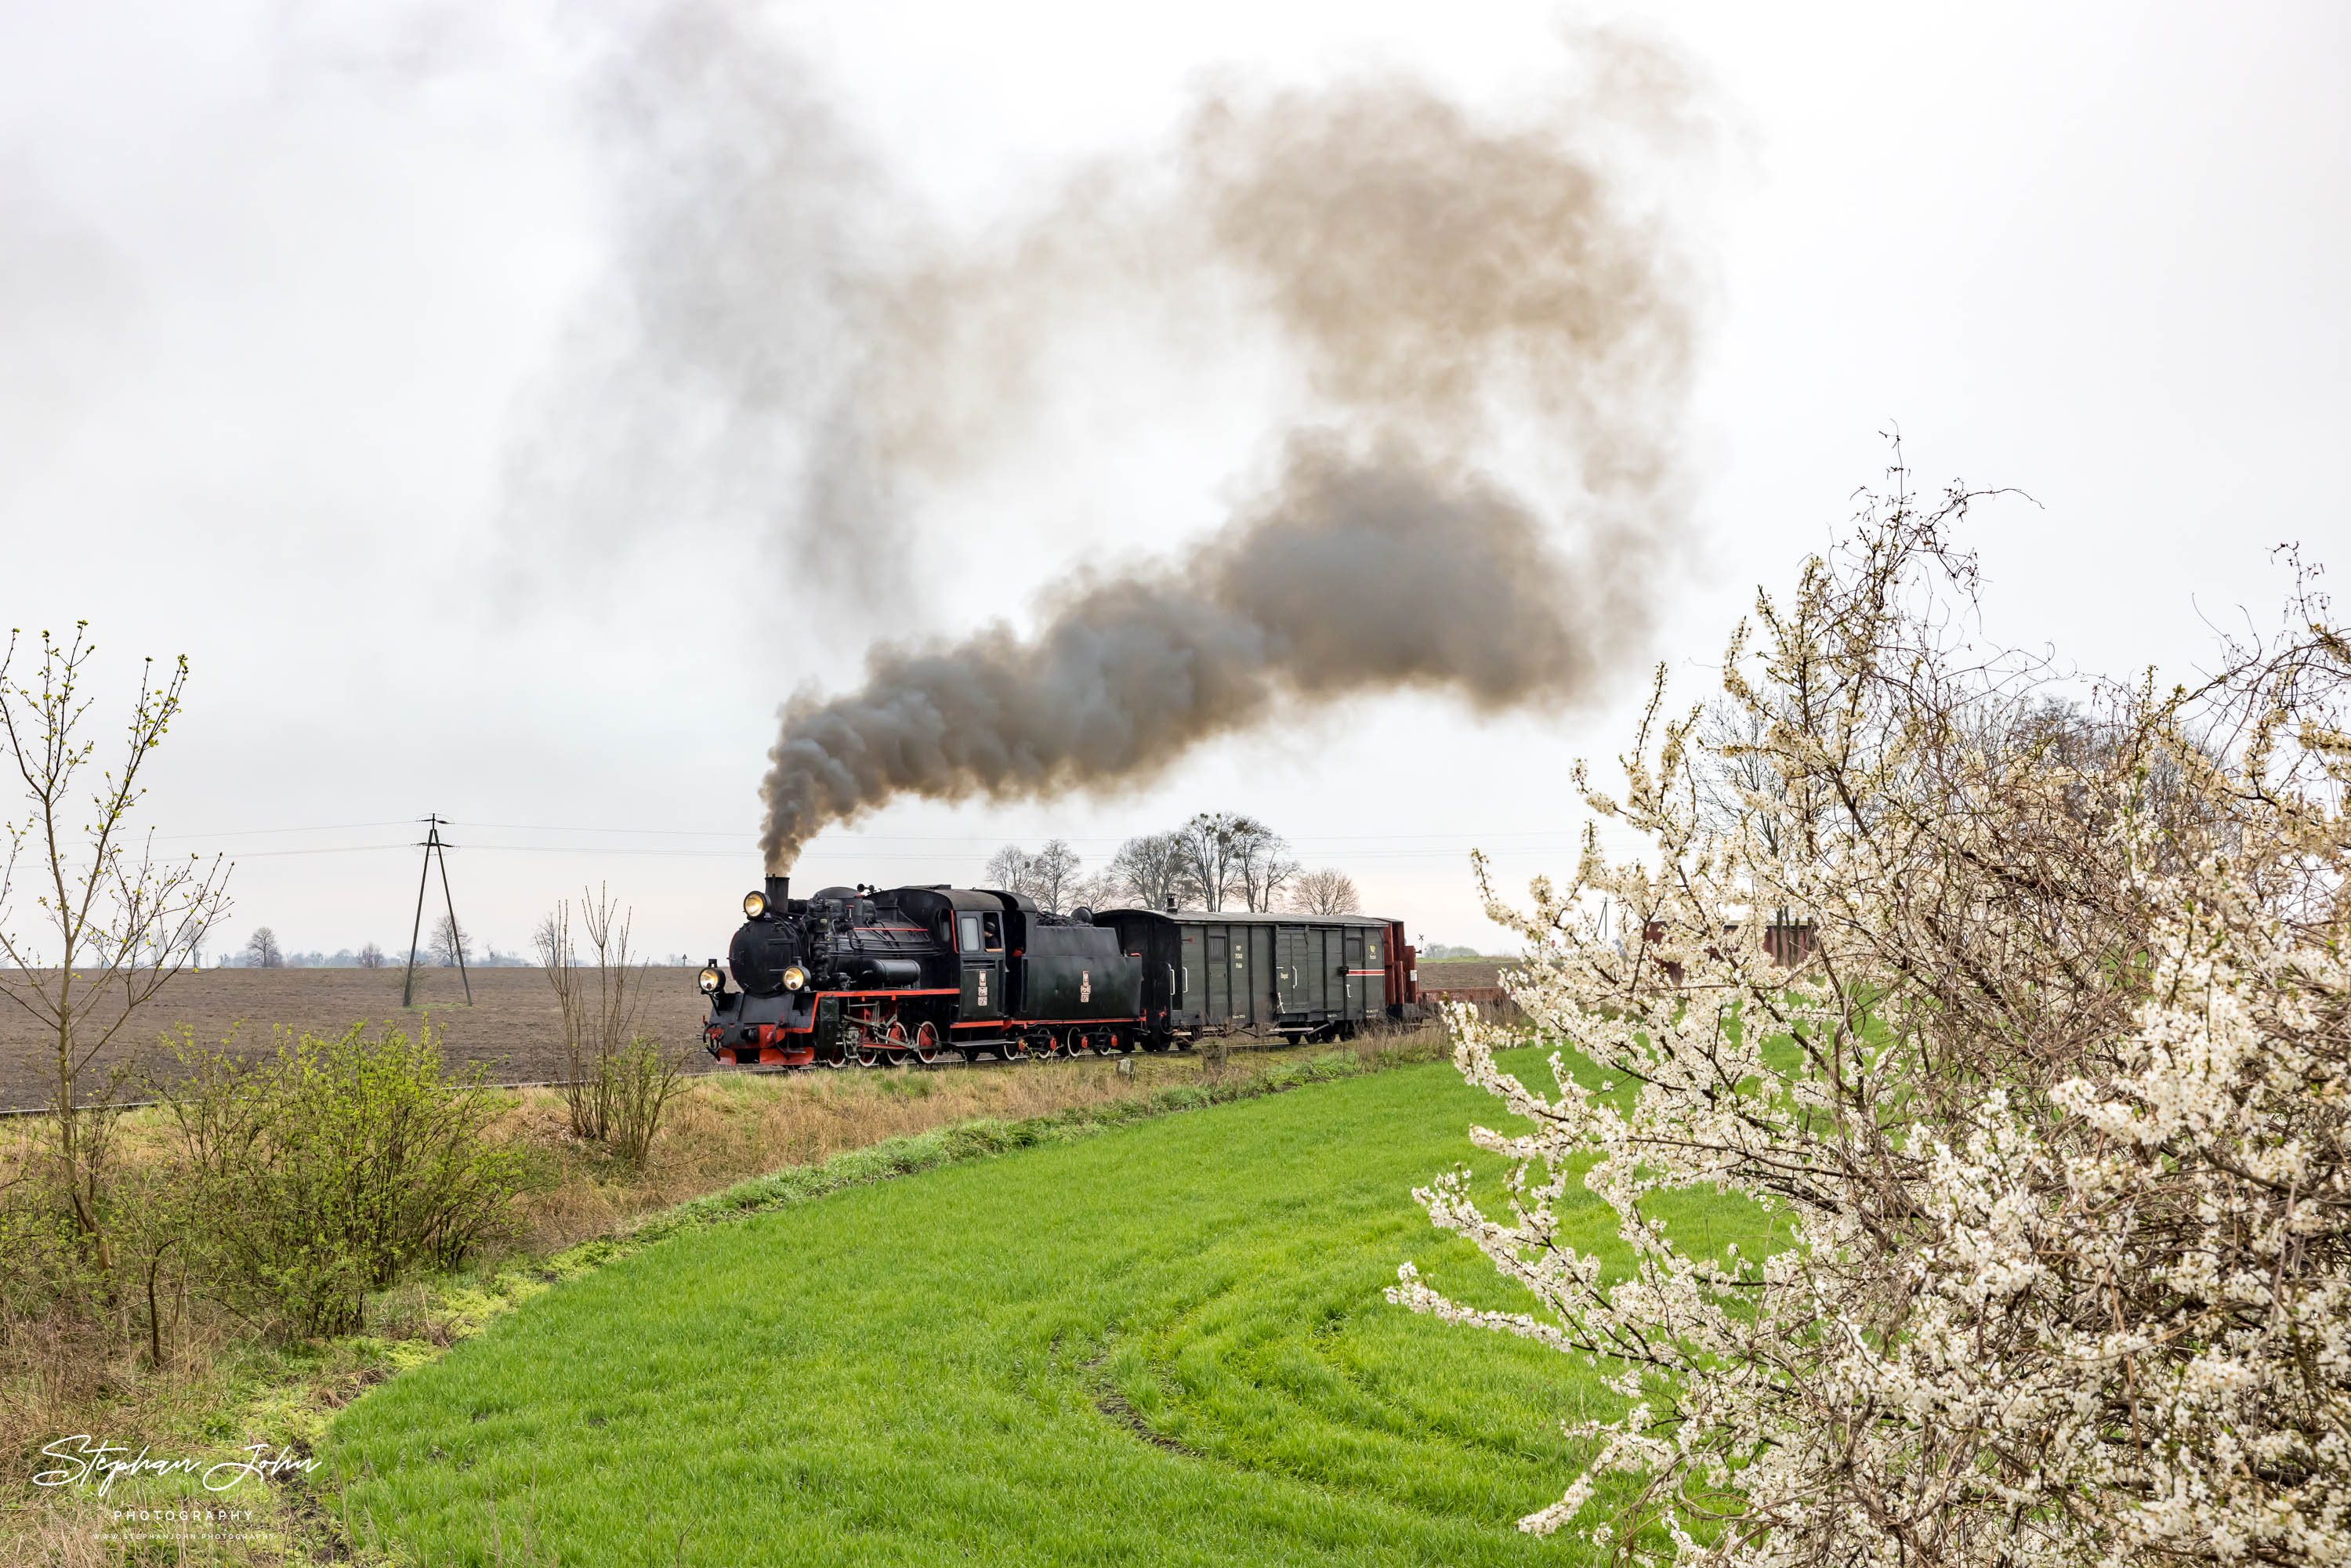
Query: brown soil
(1465, 973)
(512, 1027)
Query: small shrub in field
(325, 1171)
(640, 1081)
(615, 1081)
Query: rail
(1236, 1043)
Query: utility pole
(435, 845)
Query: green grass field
(1165, 1344)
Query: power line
(323, 850)
(255, 832)
(674, 833)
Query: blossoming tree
(2019, 1008)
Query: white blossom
(2046, 1123)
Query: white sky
(272, 280)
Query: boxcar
(1309, 975)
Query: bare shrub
(644, 1079)
(617, 1082)
(114, 924)
(2049, 1121)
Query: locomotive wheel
(1012, 1049)
(897, 1044)
(838, 1059)
(1049, 1046)
(926, 1044)
(869, 1051)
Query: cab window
(968, 933)
(991, 927)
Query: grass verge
(1166, 1346)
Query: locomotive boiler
(876, 975)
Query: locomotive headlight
(795, 977)
(711, 980)
(755, 904)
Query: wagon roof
(1247, 918)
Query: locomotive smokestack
(779, 892)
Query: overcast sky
(300, 306)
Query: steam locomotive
(881, 976)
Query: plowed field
(512, 1026)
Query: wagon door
(1352, 940)
(1290, 969)
(1253, 975)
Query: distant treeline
(441, 949)
(1218, 859)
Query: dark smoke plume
(1437, 280)
(1362, 574)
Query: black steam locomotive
(912, 974)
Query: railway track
(1233, 1043)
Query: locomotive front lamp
(755, 904)
(711, 980)
(795, 977)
